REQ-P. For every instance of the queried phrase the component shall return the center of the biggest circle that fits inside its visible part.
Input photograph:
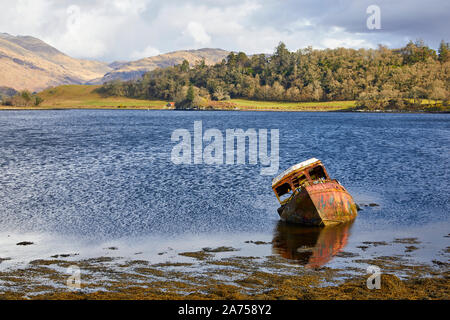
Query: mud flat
(209, 277)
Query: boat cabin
(303, 173)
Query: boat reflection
(309, 246)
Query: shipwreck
(308, 196)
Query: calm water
(101, 177)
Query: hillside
(411, 78)
(135, 69)
(7, 92)
(29, 63)
(85, 96)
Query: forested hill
(378, 78)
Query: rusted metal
(311, 197)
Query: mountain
(7, 92)
(135, 69)
(29, 63)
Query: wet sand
(209, 276)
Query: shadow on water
(309, 246)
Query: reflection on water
(310, 246)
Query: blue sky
(111, 30)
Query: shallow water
(84, 180)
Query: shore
(9, 108)
(209, 276)
(67, 97)
(240, 108)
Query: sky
(116, 30)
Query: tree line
(379, 78)
(22, 98)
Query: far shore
(347, 110)
(68, 97)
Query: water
(80, 180)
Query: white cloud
(123, 29)
(130, 6)
(87, 32)
(345, 42)
(23, 16)
(198, 33)
(149, 51)
(84, 29)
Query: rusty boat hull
(321, 204)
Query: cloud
(147, 52)
(130, 6)
(198, 33)
(129, 29)
(79, 42)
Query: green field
(85, 96)
(244, 104)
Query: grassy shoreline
(67, 97)
(43, 108)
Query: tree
(185, 66)
(23, 98)
(417, 52)
(293, 94)
(281, 58)
(38, 100)
(190, 95)
(436, 91)
(220, 94)
(378, 78)
(277, 92)
(26, 96)
(444, 54)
